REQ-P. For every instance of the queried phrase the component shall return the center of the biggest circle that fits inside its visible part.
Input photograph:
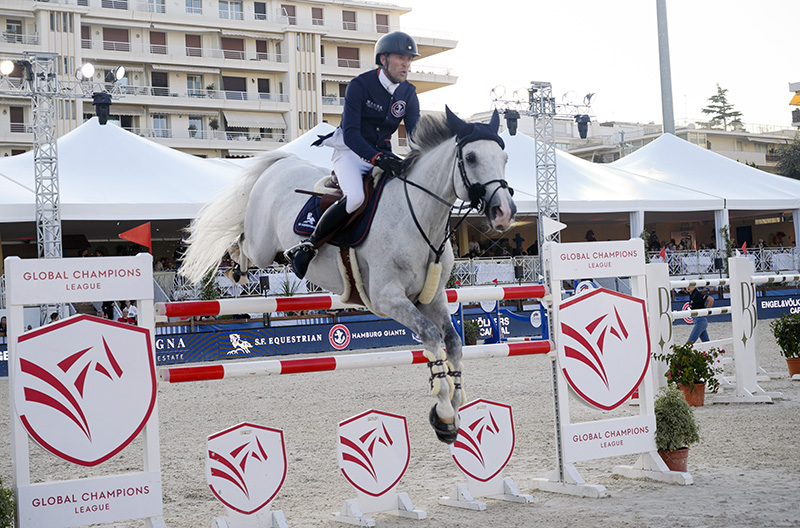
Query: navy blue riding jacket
(371, 114)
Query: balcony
(25, 39)
(181, 51)
(333, 101)
(210, 135)
(229, 95)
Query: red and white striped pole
(340, 362)
(330, 302)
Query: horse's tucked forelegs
(453, 343)
(240, 262)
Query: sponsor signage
(84, 387)
(373, 451)
(598, 259)
(43, 281)
(608, 438)
(90, 501)
(604, 349)
(246, 466)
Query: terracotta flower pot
(794, 366)
(676, 460)
(696, 397)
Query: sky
(610, 48)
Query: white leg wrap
(438, 366)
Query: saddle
(326, 192)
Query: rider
(374, 104)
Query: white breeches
(350, 169)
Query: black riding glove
(388, 163)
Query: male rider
(374, 105)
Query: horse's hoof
(445, 432)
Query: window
(262, 50)
(290, 12)
(17, 118)
(158, 43)
(115, 4)
(194, 46)
(235, 88)
(160, 83)
(86, 37)
(231, 9)
(348, 57)
(278, 54)
(160, 128)
(382, 23)
(316, 16)
(195, 126)
(193, 7)
(156, 6)
(349, 20)
(260, 10)
(233, 48)
(194, 86)
(14, 31)
(116, 39)
(263, 89)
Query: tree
(721, 111)
(789, 159)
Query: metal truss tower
(44, 90)
(543, 110)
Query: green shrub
(675, 425)
(471, 332)
(786, 330)
(6, 506)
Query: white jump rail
(330, 302)
(272, 367)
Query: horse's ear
(455, 123)
(494, 123)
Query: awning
(250, 34)
(188, 69)
(183, 111)
(795, 100)
(243, 153)
(343, 79)
(254, 120)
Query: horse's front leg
(437, 312)
(443, 416)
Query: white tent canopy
(108, 173)
(586, 187)
(672, 160)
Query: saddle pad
(352, 236)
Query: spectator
(125, 318)
(590, 236)
(133, 313)
(108, 309)
(3, 325)
(54, 317)
(177, 256)
(698, 301)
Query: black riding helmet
(395, 42)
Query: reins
(476, 192)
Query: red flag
(663, 253)
(139, 235)
(744, 248)
(495, 282)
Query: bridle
(475, 191)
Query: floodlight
(87, 70)
(6, 67)
(587, 99)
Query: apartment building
(214, 78)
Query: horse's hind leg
(238, 273)
(393, 302)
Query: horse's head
(481, 165)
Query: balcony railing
(161, 49)
(335, 101)
(152, 6)
(220, 135)
(18, 128)
(165, 91)
(27, 39)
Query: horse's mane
(430, 132)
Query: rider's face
(396, 66)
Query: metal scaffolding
(543, 110)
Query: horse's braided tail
(219, 224)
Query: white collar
(388, 84)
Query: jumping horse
(403, 266)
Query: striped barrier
(339, 362)
(330, 302)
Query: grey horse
(406, 260)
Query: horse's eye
(471, 158)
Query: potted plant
(786, 330)
(192, 130)
(676, 428)
(471, 332)
(213, 123)
(692, 370)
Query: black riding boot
(332, 219)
